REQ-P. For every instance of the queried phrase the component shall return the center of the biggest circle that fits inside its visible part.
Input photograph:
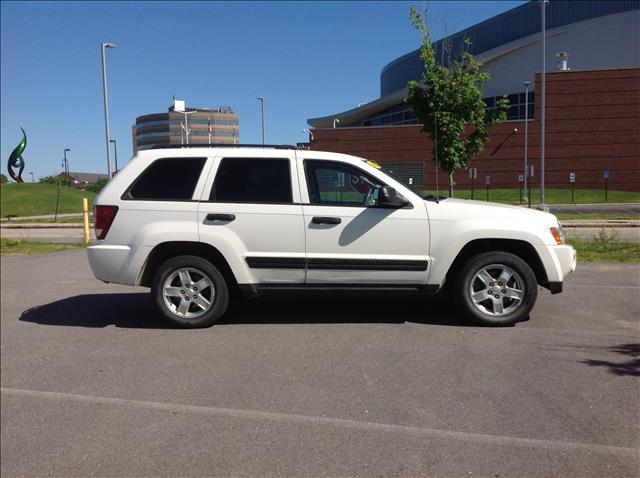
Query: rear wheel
(190, 291)
(496, 288)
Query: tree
(62, 180)
(97, 186)
(448, 103)
(3, 178)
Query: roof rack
(222, 145)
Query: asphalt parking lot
(94, 384)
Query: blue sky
(307, 59)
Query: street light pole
(526, 137)
(261, 100)
(66, 162)
(543, 6)
(115, 152)
(103, 47)
(32, 180)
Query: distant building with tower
(182, 125)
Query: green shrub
(97, 186)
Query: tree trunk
(451, 184)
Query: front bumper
(117, 264)
(558, 262)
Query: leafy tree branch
(448, 103)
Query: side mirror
(388, 197)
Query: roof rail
(222, 145)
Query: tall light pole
(103, 47)
(66, 162)
(32, 180)
(115, 152)
(543, 7)
(526, 137)
(186, 124)
(261, 100)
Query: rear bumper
(117, 264)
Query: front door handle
(326, 220)
(221, 217)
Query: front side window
(252, 180)
(340, 184)
(167, 179)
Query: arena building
(592, 99)
(182, 125)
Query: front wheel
(496, 288)
(190, 291)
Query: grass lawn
(551, 196)
(15, 247)
(33, 199)
(605, 251)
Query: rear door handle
(326, 220)
(221, 217)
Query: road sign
(572, 177)
(606, 174)
(520, 178)
(487, 180)
(531, 170)
(473, 173)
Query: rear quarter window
(167, 179)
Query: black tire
(506, 303)
(181, 292)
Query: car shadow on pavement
(318, 309)
(137, 311)
(98, 310)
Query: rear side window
(167, 179)
(251, 180)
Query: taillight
(103, 217)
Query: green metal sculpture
(16, 161)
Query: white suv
(199, 223)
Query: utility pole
(543, 6)
(105, 94)
(261, 100)
(526, 137)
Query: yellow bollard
(85, 219)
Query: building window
(408, 173)
(167, 179)
(397, 115)
(190, 121)
(516, 109)
(249, 180)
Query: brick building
(592, 110)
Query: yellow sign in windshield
(374, 164)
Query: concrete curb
(599, 223)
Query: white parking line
(553, 445)
(597, 286)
